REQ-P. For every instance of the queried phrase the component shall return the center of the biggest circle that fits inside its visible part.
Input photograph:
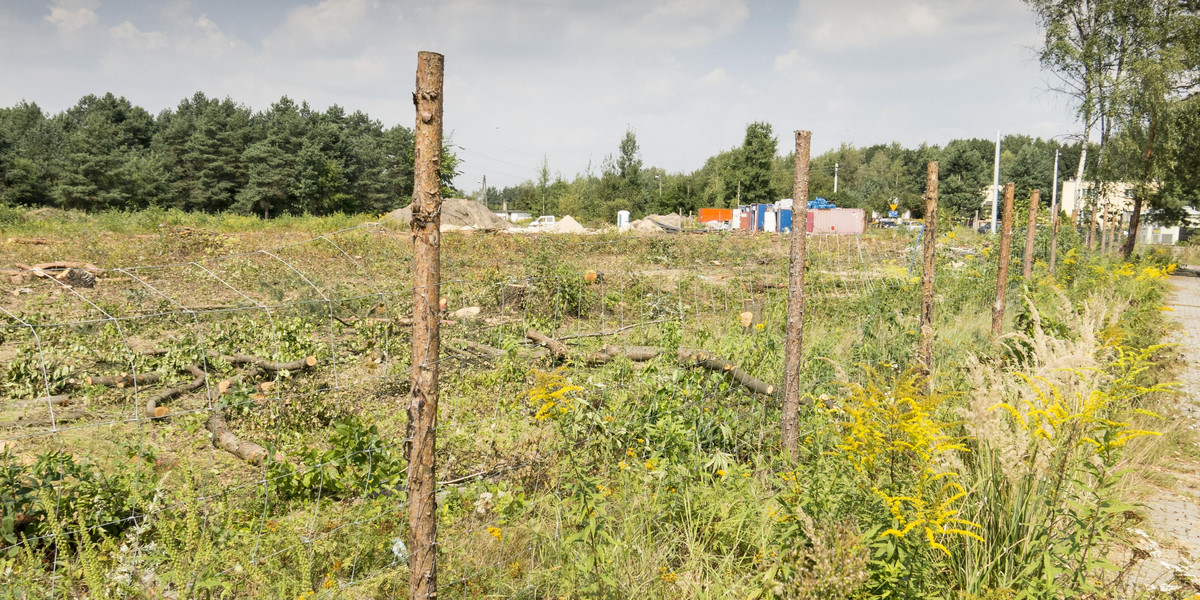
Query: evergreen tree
(758, 152)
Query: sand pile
(648, 225)
(567, 225)
(458, 213)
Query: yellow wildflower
(496, 533)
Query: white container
(622, 220)
(769, 221)
(737, 219)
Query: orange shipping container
(720, 215)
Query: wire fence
(237, 424)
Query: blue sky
(563, 79)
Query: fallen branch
(701, 358)
(268, 365)
(228, 441)
(557, 348)
(634, 353)
(154, 411)
(688, 357)
(124, 379)
(613, 331)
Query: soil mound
(458, 213)
(567, 225)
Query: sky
(563, 79)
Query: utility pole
(996, 182)
(485, 204)
(835, 177)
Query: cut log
(634, 353)
(299, 364)
(711, 362)
(197, 383)
(557, 348)
(228, 441)
(124, 379)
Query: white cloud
(128, 35)
(325, 25)
(71, 16)
(716, 76)
(870, 24)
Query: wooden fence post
(1005, 258)
(795, 310)
(930, 235)
(423, 400)
(1030, 235)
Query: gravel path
(1173, 515)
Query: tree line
(871, 177)
(207, 154)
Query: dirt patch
(458, 213)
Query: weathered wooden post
(1004, 258)
(930, 234)
(423, 400)
(1030, 235)
(795, 309)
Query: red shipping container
(844, 221)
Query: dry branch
(688, 357)
(299, 364)
(701, 358)
(613, 331)
(152, 408)
(228, 441)
(124, 379)
(557, 348)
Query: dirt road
(1174, 513)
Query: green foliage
(357, 463)
(58, 491)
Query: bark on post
(423, 400)
(795, 309)
(1030, 235)
(930, 234)
(1004, 258)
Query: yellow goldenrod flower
(496, 533)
